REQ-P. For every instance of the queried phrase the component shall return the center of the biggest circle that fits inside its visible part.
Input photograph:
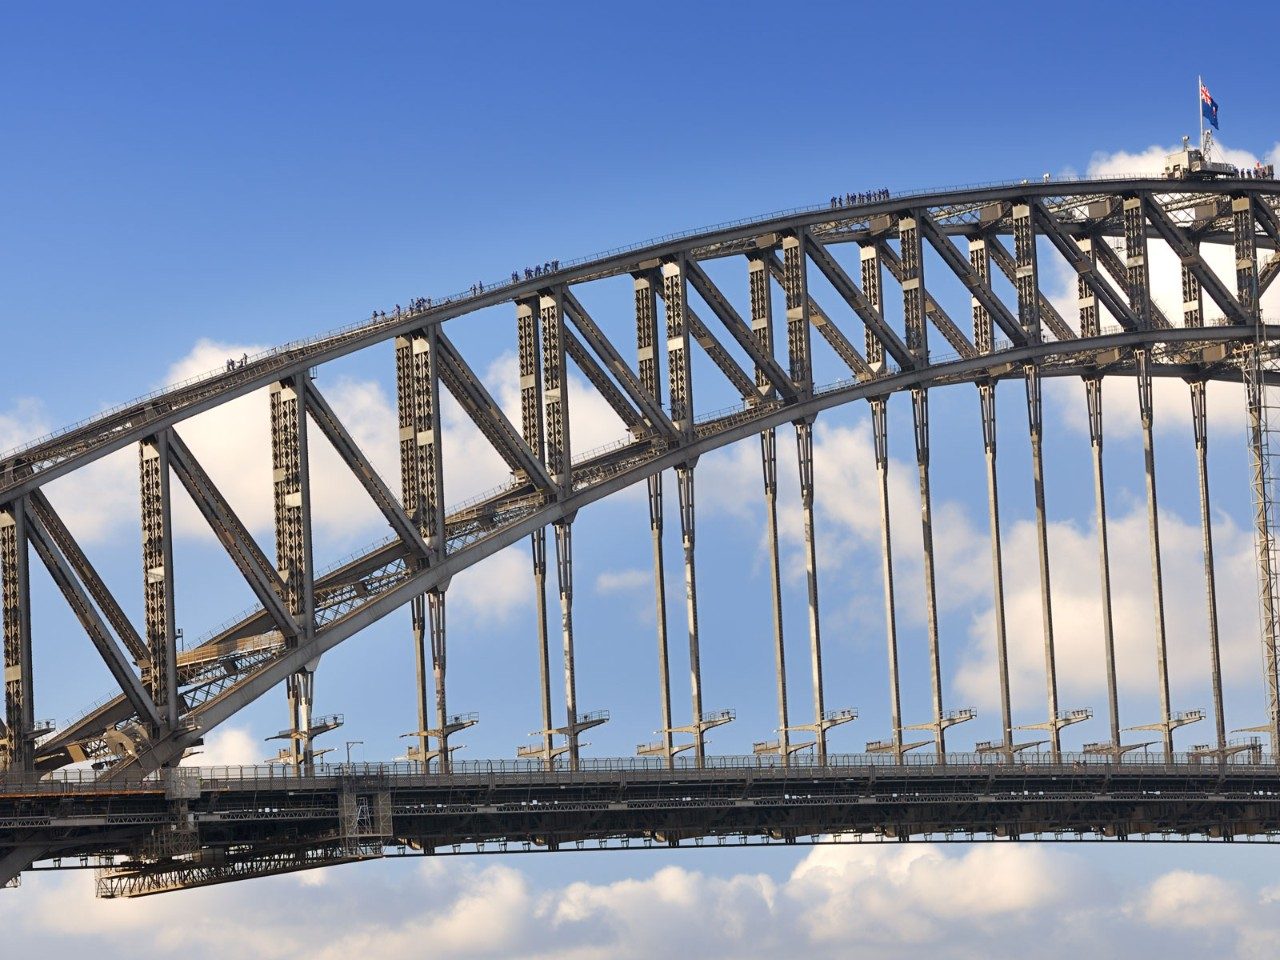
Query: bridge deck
(291, 821)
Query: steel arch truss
(882, 324)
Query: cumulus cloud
(622, 581)
(887, 900)
(231, 746)
(1189, 900)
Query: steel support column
(762, 328)
(529, 352)
(980, 263)
(559, 462)
(1093, 394)
(685, 490)
(913, 310)
(804, 449)
(880, 429)
(564, 583)
(538, 545)
(1246, 247)
(1153, 532)
(1135, 247)
(650, 379)
(292, 502)
(769, 462)
(800, 363)
(920, 415)
(15, 618)
(1035, 423)
(872, 289)
(660, 603)
(987, 402)
(1026, 272)
(161, 673)
(1200, 424)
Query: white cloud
(622, 581)
(228, 747)
(890, 900)
(1188, 900)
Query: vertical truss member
(15, 620)
(646, 309)
(872, 287)
(292, 503)
(1199, 420)
(1193, 316)
(530, 361)
(1167, 722)
(1089, 327)
(161, 671)
(422, 482)
(1035, 421)
(555, 395)
(680, 387)
(1026, 283)
(762, 327)
(980, 260)
(913, 309)
(799, 354)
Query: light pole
(350, 744)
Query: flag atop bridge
(1208, 106)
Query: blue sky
(247, 174)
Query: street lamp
(350, 744)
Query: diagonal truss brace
(488, 416)
(933, 311)
(834, 336)
(739, 330)
(715, 350)
(1111, 262)
(88, 576)
(1084, 266)
(1190, 258)
(262, 577)
(1048, 312)
(577, 351)
(622, 372)
(115, 659)
(359, 464)
(869, 315)
(977, 286)
(1270, 224)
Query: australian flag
(1208, 106)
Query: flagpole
(1200, 106)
